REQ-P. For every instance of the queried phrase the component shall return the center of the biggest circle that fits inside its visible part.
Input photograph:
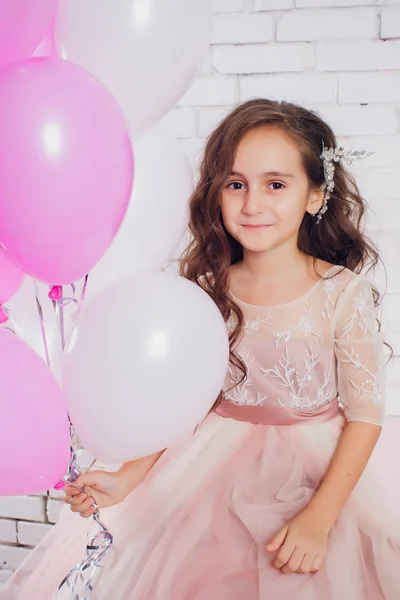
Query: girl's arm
(302, 543)
(132, 473)
(107, 488)
(349, 461)
(360, 374)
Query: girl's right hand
(102, 487)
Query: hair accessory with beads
(329, 157)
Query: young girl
(268, 499)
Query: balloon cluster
(93, 187)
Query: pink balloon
(22, 25)
(34, 430)
(11, 278)
(66, 168)
(47, 45)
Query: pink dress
(197, 526)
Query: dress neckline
(307, 293)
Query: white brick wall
(341, 57)
(368, 56)
(264, 58)
(239, 28)
(8, 531)
(28, 508)
(327, 24)
(390, 23)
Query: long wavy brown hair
(337, 239)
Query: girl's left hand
(302, 544)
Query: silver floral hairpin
(329, 157)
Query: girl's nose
(254, 203)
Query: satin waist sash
(271, 415)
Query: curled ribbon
(80, 581)
(7, 319)
(3, 316)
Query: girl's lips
(256, 226)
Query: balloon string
(56, 295)
(60, 308)
(9, 321)
(42, 325)
(83, 294)
(81, 579)
(59, 303)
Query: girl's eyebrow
(269, 174)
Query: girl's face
(267, 194)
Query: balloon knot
(55, 292)
(3, 316)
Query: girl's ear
(315, 199)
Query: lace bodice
(322, 347)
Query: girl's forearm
(133, 472)
(348, 462)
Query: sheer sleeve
(359, 354)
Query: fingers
(88, 479)
(302, 563)
(76, 499)
(71, 491)
(89, 513)
(307, 564)
(82, 505)
(317, 564)
(294, 562)
(284, 555)
(277, 540)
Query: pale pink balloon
(22, 25)
(147, 52)
(34, 430)
(143, 365)
(66, 168)
(47, 45)
(158, 213)
(11, 278)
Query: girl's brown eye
(276, 185)
(236, 185)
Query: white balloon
(157, 216)
(144, 364)
(147, 52)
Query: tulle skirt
(197, 526)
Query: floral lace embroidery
(256, 322)
(329, 286)
(249, 326)
(363, 315)
(290, 359)
(242, 392)
(370, 389)
(230, 323)
(305, 325)
(298, 386)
